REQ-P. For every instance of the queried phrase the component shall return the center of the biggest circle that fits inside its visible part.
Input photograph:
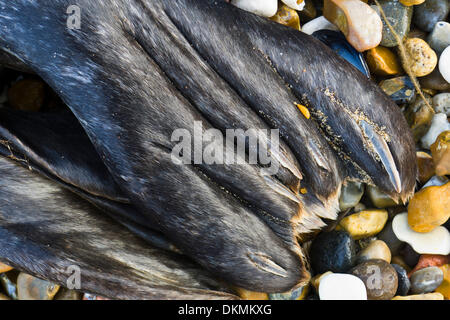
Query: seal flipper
(121, 105)
(48, 231)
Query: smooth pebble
(426, 280)
(338, 286)
(434, 242)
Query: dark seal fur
(137, 70)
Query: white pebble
(320, 23)
(438, 124)
(444, 64)
(340, 286)
(265, 8)
(441, 103)
(294, 4)
(436, 241)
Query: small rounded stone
(338, 286)
(379, 277)
(400, 89)
(399, 16)
(315, 281)
(431, 260)
(439, 38)
(444, 288)
(433, 242)
(427, 14)
(426, 280)
(360, 24)
(426, 296)
(351, 194)
(421, 58)
(444, 64)
(67, 294)
(319, 23)
(383, 61)
(441, 102)
(411, 2)
(295, 4)
(32, 288)
(379, 199)
(440, 150)
(251, 295)
(439, 124)
(401, 262)
(364, 224)
(288, 17)
(425, 165)
(299, 293)
(265, 8)
(409, 255)
(375, 250)
(434, 81)
(403, 281)
(333, 251)
(429, 208)
(5, 268)
(388, 236)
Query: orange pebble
(4, 268)
(430, 260)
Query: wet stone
(309, 12)
(434, 81)
(441, 102)
(439, 124)
(429, 208)
(337, 42)
(400, 89)
(426, 280)
(375, 250)
(351, 194)
(411, 2)
(379, 277)
(4, 268)
(251, 295)
(426, 296)
(419, 117)
(431, 260)
(288, 17)
(421, 58)
(338, 286)
(383, 62)
(299, 293)
(425, 165)
(433, 242)
(265, 8)
(319, 23)
(365, 223)
(444, 64)
(429, 13)
(379, 198)
(360, 24)
(444, 288)
(440, 150)
(9, 286)
(32, 288)
(403, 281)
(399, 16)
(294, 4)
(439, 38)
(388, 236)
(333, 251)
